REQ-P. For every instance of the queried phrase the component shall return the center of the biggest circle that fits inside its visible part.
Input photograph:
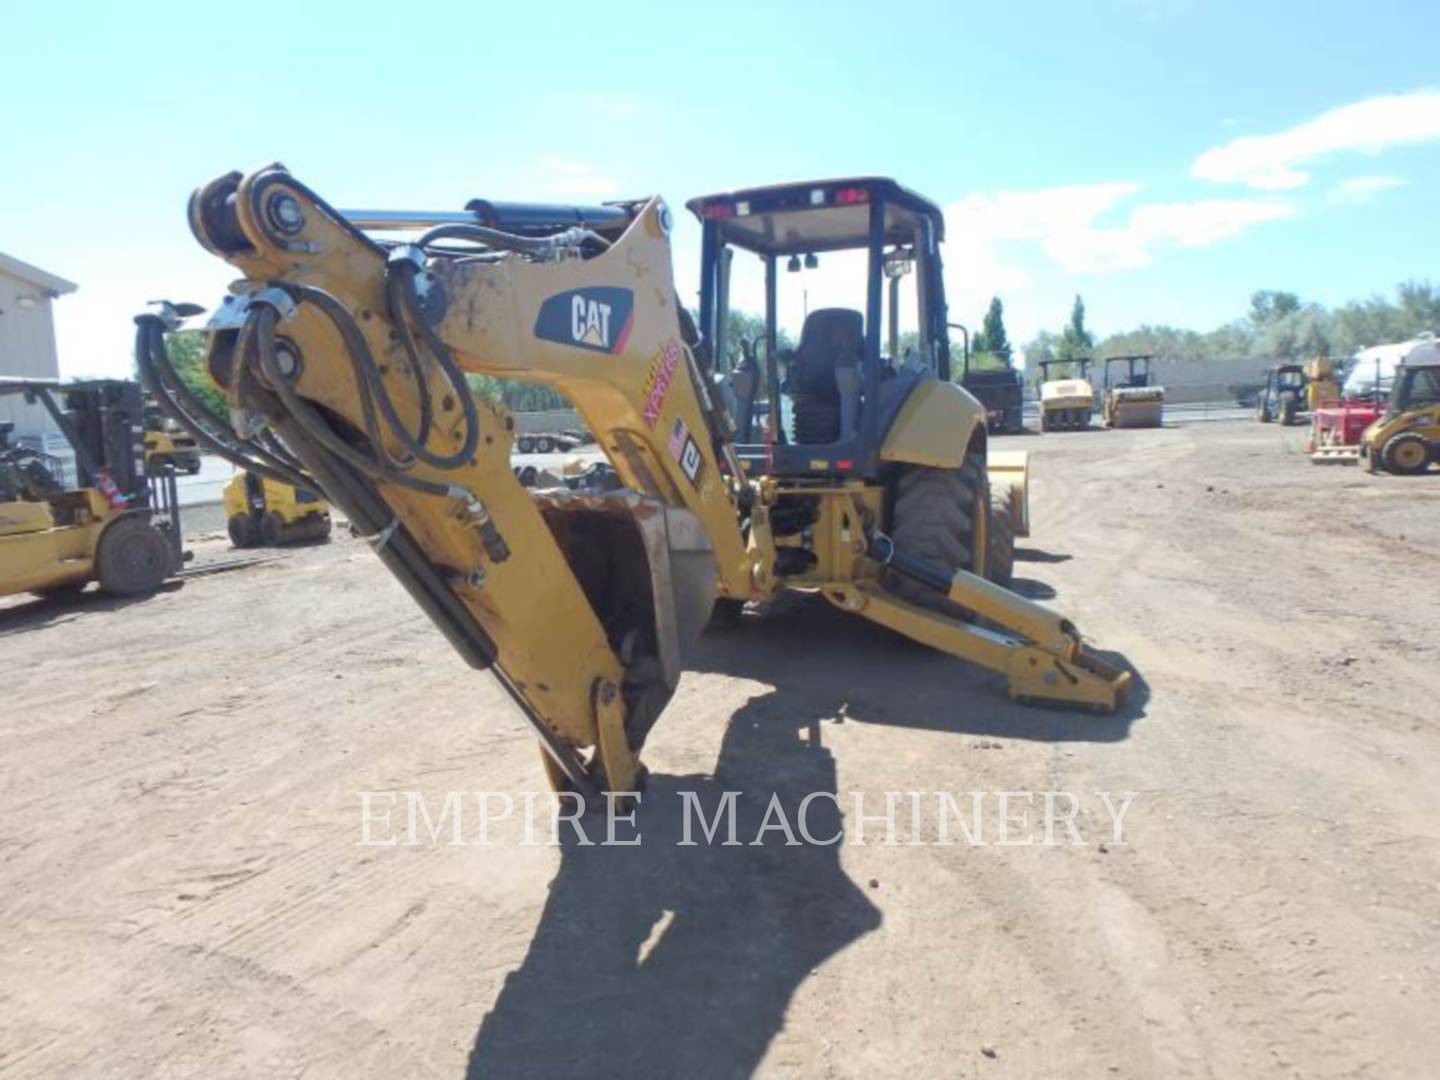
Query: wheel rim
(1409, 455)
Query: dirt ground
(183, 891)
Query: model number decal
(658, 379)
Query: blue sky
(1163, 157)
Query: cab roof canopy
(818, 215)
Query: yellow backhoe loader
(857, 477)
(1406, 439)
(261, 510)
(1067, 399)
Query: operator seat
(826, 375)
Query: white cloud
(1272, 162)
(1363, 189)
(577, 179)
(1065, 224)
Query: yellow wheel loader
(857, 477)
(1067, 399)
(1130, 399)
(1406, 439)
(114, 525)
(259, 510)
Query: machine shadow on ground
(36, 614)
(1037, 555)
(671, 960)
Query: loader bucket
(1010, 469)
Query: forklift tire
(272, 529)
(1289, 407)
(1000, 539)
(933, 519)
(133, 558)
(1406, 454)
(241, 528)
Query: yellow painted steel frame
(627, 370)
(633, 382)
(1038, 651)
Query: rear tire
(241, 528)
(1289, 407)
(272, 529)
(1406, 454)
(133, 558)
(933, 519)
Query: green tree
(186, 349)
(995, 339)
(1075, 341)
(516, 395)
(1267, 305)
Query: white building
(27, 338)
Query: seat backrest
(830, 338)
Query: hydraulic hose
(400, 288)
(151, 357)
(264, 318)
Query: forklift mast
(107, 421)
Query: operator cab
(1288, 377)
(1417, 385)
(797, 282)
(1078, 368)
(1137, 372)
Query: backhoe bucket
(642, 564)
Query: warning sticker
(685, 451)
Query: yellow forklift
(115, 524)
(260, 510)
